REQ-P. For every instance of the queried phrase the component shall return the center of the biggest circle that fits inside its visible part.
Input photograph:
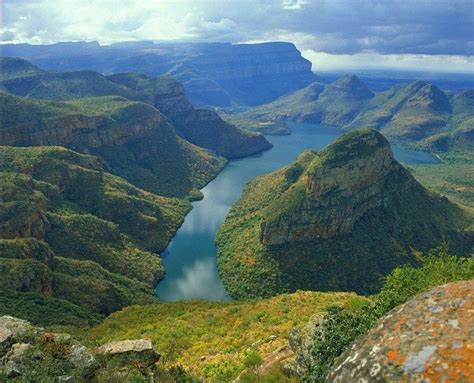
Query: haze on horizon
(429, 35)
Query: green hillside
(77, 236)
(337, 220)
(212, 340)
(132, 139)
(417, 113)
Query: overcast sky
(333, 34)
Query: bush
(340, 327)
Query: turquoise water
(190, 259)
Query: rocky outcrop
(136, 350)
(341, 184)
(322, 222)
(427, 339)
(29, 353)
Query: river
(190, 259)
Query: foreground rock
(136, 350)
(28, 353)
(428, 339)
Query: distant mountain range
(217, 74)
(415, 113)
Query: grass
(210, 339)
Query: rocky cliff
(334, 220)
(429, 338)
(133, 139)
(202, 127)
(217, 74)
(339, 190)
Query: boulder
(136, 351)
(14, 330)
(428, 339)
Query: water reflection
(190, 260)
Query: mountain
(76, 237)
(417, 113)
(217, 74)
(335, 220)
(132, 139)
(201, 127)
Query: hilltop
(335, 220)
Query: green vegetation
(76, 239)
(260, 247)
(453, 177)
(341, 326)
(131, 138)
(213, 340)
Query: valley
(187, 212)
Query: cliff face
(202, 127)
(340, 186)
(334, 220)
(213, 74)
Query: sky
(435, 35)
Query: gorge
(190, 259)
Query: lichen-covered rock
(130, 351)
(428, 339)
(301, 342)
(14, 330)
(12, 361)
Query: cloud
(435, 63)
(334, 27)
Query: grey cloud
(332, 26)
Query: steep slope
(217, 74)
(337, 220)
(71, 231)
(201, 127)
(132, 139)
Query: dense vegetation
(132, 139)
(381, 239)
(341, 326)
(212, 340)
(71, 231)
(417, 113)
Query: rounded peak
(358, 143)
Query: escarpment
(340, 185)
